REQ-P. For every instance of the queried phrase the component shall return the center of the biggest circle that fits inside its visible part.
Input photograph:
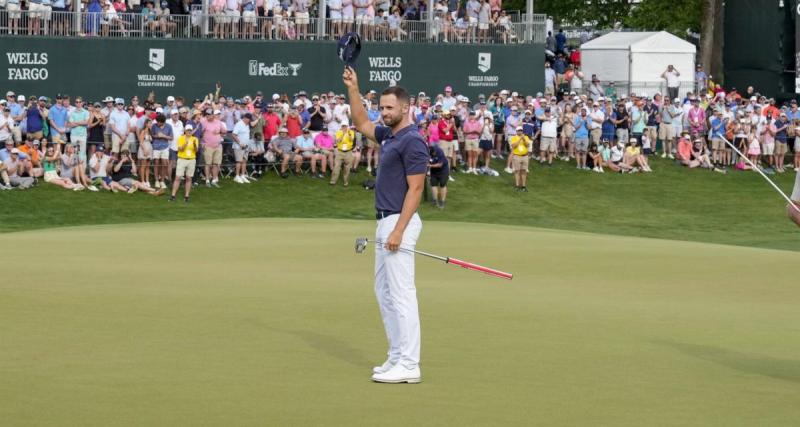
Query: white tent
(635, 61)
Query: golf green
(274, 322)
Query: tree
(597, 13)
(674, 16)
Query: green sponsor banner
(96, 68)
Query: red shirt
(575, 58)
(293, 125)
(271, 124)
(445, 130)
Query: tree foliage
(675, 16)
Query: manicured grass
(671, 203)
(274, 322)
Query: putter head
(361, 244)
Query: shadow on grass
(782, 369)
(330, 345)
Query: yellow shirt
(524, 144)
(345, 140)
(633, 151)
(189, 150)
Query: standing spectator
(118, 123)
(673, 84)
(700, 80)
(696, 117)
(667, 130)
(241, 144)
(767, 137)
(335, 14)
(162, 137)
(447, 135)
(582, 125)
(36, 115)
(6, 126)
(484, 18)
(550, 79)
(77, 123)
(439, 173)
(301, 18)
(187, 155)
(316, 117)
(57, 120)
(14, 14)
(550, 42)
(343, 157)
(781, 136)
(597, 117)
(213, 132)
(596, 89)
(520, 147)
(638, 121)
(549, 129)
(472, 134)
(652, 110)
(561, 41)
(348, 15)
(145, 153)
(622, 122)
(176, 124)
(96, 128)
(249, 19)
(486, 142)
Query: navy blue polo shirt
(438, 157)
(402, 154)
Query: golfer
(401, 177)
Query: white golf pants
(796, 190)
(396, 292)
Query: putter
(361, 245)
(758, 169)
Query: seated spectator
(685, 156)
(33, 157)
(396, 25)
(150, 17)
(16, 168)
(323, 143)
(608, 158)
(285, 149)
(596, 158)
(122, 173)
(305, 145)
(109, 19)
(701, 155)
(98, 169)
(6, 184)
(73, 168)
(51, 161)
(633, 156)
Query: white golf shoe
(388, 364)
(399, 374)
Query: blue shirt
(781, 135)
(403, 154)
(559, 66)
(58, 115)
(161, 143)
(16, 109)
(438, 157)
(34, 119)
(561, 41)
(717, 127)
(529, 128)
(581, 127)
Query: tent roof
(661, 41)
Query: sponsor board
(27, 65)
(256, 68)
(157, 59)
(483, 80)
(386, 69)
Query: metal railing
(248, 26)
(639, 88)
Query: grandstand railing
(218, 26)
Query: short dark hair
(399, 92)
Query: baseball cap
(119, 101)
(519, 128)
(11, 93)
(42, 98)
(275, 96)
(632, 140)
(676, 100)
(188, 127)
(100, 147)
(348, 48)
(514, 94)
(472, 113)
(283, 130)
(15, 151)
(36, 142)
(306, 130)
(514, 108)
(21, 98)
(302, 93)
(217, 112)
(173, 111)
(170, 98)
(159, 110)
(183, 110)
(140, 109)
(108, 99)
(97, 105)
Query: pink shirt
(212, 131)
(323, 140)
(472, 129)
(495, 5)
(433, 132)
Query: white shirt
(617, 153)
(5, 133)
(599, 116)
(103, 166)
(341, 114)
(242, 131)
(672, 79)
(177, 131)
(550, 127)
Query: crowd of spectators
(137, 145)
(462, 21)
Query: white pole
(758, 169)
